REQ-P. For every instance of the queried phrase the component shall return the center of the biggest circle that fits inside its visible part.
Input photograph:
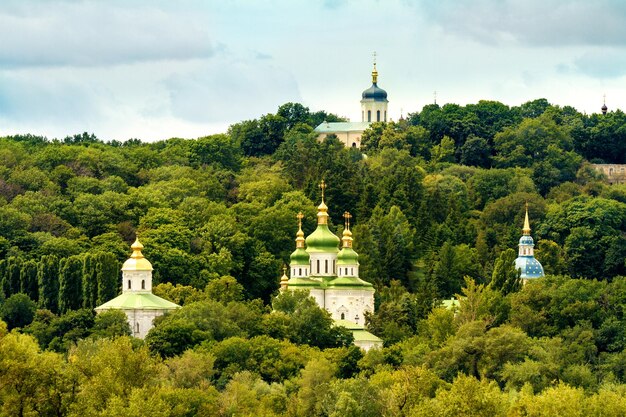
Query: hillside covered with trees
(438, 206)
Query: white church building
(332, 276)
(373, 109)
(137, 301)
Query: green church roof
(355, 282)
(358, 331)
(138, 301)
(322, 240)
(300, 257)
(347, 256)
(303, 282)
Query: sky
(156, 69)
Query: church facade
(331, 275)
(373, 109)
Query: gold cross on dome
(347, 216)
(300, 216)
(374, 55)
(322, 187)
(284, 269)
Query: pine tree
(28, 280)
(70, 284)
(107, 277)
(47, 277)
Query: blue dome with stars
(530, 267)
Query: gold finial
(374, 71)
(136, 247)
(347, 234)
(322, 209)
(300, 234)
(284, 279)
(526, 229)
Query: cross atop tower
(347, 216)
(323, 188)
(300, 216)
(374, 55)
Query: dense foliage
(437, 202)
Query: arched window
(300, 271)
(137, 327)
(326, 266)
(351, 271)
(129, 284)
(334, 266)
(385, 115)
(343, 316)
(354, 144)
(378, 115)
(143, 284)
(362, 116)
(369, 115)
(318, 266)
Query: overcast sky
(156, 69)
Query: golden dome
(137, 262)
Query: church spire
(526, 229)
(322, 209)
(374, 71)
(300, 234)
(347, 234)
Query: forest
(438, 202)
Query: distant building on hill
(137, 301)
(529, 267)
(614, 173)
(373, 109)
(332, 276)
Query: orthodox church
(373, 109)
(137, 301)
(332, 276)
(529, 267)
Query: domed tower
(347, 258)
(604, 108)
(374, 101)
(529, 266)
(137, 301)
(322, 244)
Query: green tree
(18, 311)
(89, 281)
(107, 271)
(70, 284)
(47, 277)
(28, 279)
(506, 277)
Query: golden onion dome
(137, 262)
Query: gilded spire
(136, 247)
(347, 234)
(322, 209)
(526, 229)
(300, 234)
(284, 279)
(374, 71)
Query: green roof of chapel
(138, 301)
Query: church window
(326, 266)
(143, 284)
(343, 316)
(354, 144)
(351, 271)
(362, 116)
(385, 115)
(318, 266)
(137, 327)
(334, 267)
(369, 115)
(378, 115)
(129, 284)
(300, 271)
